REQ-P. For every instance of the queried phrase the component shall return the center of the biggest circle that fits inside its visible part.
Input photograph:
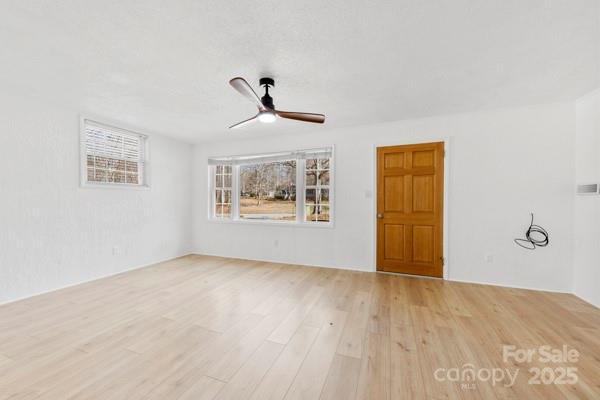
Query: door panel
(410, 193)
(394, 242)
(394, 196)
(422, 195)
(394, 160)
(423, 158)
(423, 243)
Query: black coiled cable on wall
(530, 242)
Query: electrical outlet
(116, 251)
(489, 258)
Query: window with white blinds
(112, 156)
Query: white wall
(503, 164)
(54, 233)
(587, 208)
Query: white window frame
(300, 193)
(317, 186)
(223, 188)
(145, 170)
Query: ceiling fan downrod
(267, 100)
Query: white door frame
(447, 152)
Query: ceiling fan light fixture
(266, 109)
(266, 117)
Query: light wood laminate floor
(213, 328)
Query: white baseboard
(199, 253)
(589, 301)
(509, 286)
(93, 279)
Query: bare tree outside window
(268, 191)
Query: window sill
(113, 186)
(326, 225)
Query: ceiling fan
(266, 109)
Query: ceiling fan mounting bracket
(267, 81)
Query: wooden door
(410, 196)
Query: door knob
(379, 215)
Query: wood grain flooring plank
(202, 327)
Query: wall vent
(588, 188)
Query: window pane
(223, 210)
(110, 176)
(219, 169)
(227, 181)
(219, 181)
(120, 165)
(311, 212)
(227, 196)
(324, 178)
(132, 178)
(116, 164)
(311, 163)
(324, 196)
(100, 176)
(324, 163)
(218, 197)
(117, 177)
(311, 178)
(227, 169)
(268, 191)
(311, 196)
(323, 213)
(101, 162)
(131, 166)
(226, 210)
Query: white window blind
(272, 157)
(112, 155)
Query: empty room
(284, 200)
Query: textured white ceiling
(164, 65)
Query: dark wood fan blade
(246, 90)
(305, 117)
(244, 123)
